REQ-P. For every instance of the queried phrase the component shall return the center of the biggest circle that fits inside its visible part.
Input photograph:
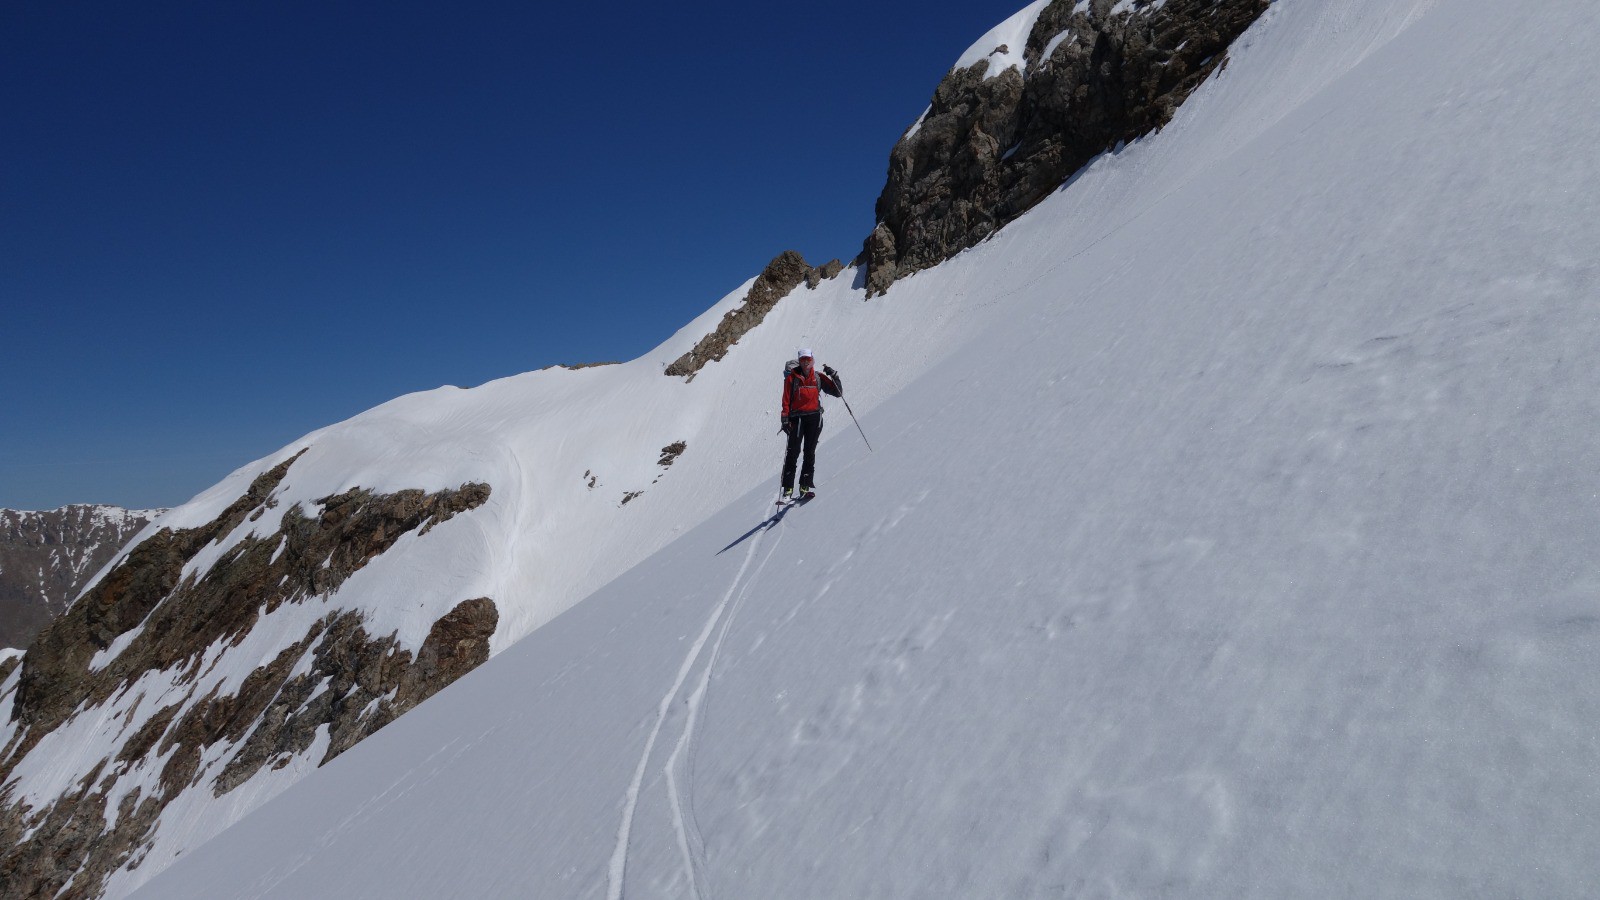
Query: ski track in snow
(737, 590)
(690, 844)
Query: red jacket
(802, 393)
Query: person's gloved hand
(787, 427)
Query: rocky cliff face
(144, 660)
(47, 557)
(991, 146)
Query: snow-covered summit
(1002, 45)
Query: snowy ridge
(1240, 546)
(546, 538)
(578, 495)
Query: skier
(802, 417)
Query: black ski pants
(803, 433)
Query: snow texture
(1242, 545)
(1002, 45)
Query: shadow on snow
(769, 522)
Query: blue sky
(223, 225)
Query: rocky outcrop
(46, 558)
(671, 452)
(669, 455)
(355, 685)
(825, 272)
(786, 271)
(883, 262)
(321, 694)
(990, 148)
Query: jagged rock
(824, 272)
(350, 683)
(47, 557)
(881, 260)
(356, 685)
(457, 644)
(989, 149)
(786, 270)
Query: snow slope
(545, 539)
(1241, 547)
(578, 497)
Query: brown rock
(824, 272)
(881, 260)
(786, 270)
(671, 452)
(990, 149)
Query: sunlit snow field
(1239, 542)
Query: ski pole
(857, 421)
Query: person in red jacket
(803, 388)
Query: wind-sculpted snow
(1243, 547)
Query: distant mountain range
(47, 556)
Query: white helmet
(803, 353)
